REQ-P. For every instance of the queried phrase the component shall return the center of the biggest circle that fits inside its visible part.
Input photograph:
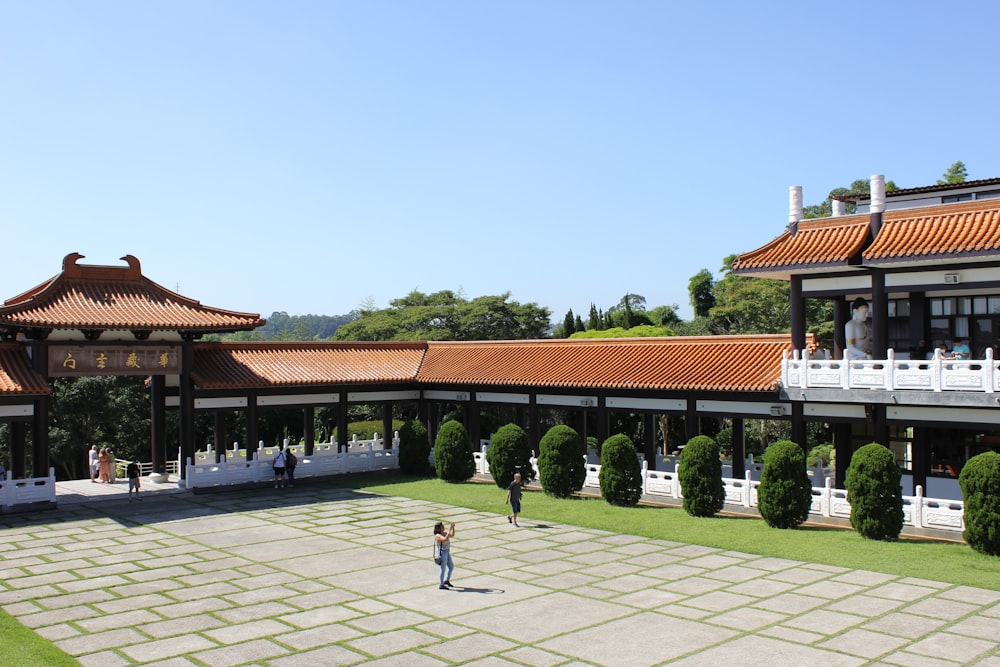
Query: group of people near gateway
(442, 537)
(101, 464)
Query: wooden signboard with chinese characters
(79, 360)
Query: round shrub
(980, 484)
(453, 453)
(414, 448)
(700, 475)
(874, 493)
(510, 452)
(561, 467)
(785, 492)
(621, 474)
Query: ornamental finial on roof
(69, 264)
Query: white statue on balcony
(858, 333)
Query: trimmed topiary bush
(414, 448)
(980, 484)
(510, 452)
(561, 467)
(621, 474)
(785, 492)
(700, 474)
(453, 453)
(874, 493)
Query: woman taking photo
(442, 540)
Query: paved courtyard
(319, 575)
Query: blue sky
(315, 156)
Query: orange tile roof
(828, 242)
(117, 298)
(16, 375)
(269, 364)
(720, 363)
(950, 231)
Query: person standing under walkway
(93, 463)
(278, 463)
(132, 472)
(442, 540)
(291, 460)
(514, 498)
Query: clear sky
(314, 156)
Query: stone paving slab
(320, 575)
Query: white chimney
(794, 204)
(878, 194)
(839, 208)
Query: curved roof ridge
(966, 229)
(818, 243)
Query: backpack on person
(291, 460)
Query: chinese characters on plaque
(69, 360)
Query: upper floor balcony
(938, 374)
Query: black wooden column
(880, 315)
(921, 463)
(253, 428)
(220, 434)
(472, 412)
(799, 425)
(532, 415)
(649, 439)
(603, 422)
(342, 438)
(798, 313)
(691, 425)
(841, 313)
(387, 425)
(880, 424)
(40, 425)
(17, 463)
(309, 428)
(739, 448)
(158, 424)
(842, 447)
(187, 446)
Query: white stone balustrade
(27, 491)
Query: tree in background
(874, 493)
(621, 475)
(447, 315)
(700, 475)
(594, 319)
(701, 292)
(509, 452)
(453, 459)
(561, 462)
(956, 173)
(746, 305)
(414, 448)
(785, 492)
(858, 187)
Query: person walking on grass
(514, 498)
(442, 540)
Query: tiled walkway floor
(318, 575)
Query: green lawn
(941, 561)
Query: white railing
(361, 456)
(827, 501)
(892, 374)
(27, 491)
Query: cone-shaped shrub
(700, 475)
(453, 453)
(414, 448)
(785, 492)
(621, 474)
(874, 493)
(980, 484)
(560, 462)
(510, 452)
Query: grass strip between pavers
(949, 562)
